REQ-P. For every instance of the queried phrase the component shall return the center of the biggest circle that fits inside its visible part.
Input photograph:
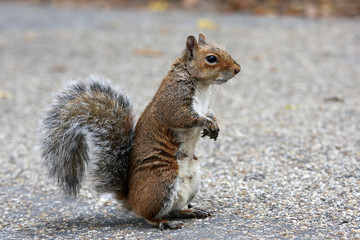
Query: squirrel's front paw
(211, 130)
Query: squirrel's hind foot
(165, 224)
(172, 225)
(192, 213)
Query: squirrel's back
(89, 113)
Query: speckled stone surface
(286, 164)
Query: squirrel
(150, 165)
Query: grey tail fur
(89, 123)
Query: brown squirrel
(152, 166)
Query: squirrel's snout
(237, 68)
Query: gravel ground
(286, 164)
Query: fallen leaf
(190, 4)
(258, 58)
(273, 69)
(291, 107)
(6, 95)
(206, 24)
(58, 69)
(158, 6)
(147, 52)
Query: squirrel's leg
(193, 119)
(151, 197)
(211, 115)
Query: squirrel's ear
(191, 47)
(202, 40)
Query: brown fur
(153, 163)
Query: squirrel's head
(209, 64)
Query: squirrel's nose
(237, 68)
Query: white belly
(187, 183)
(189, 169)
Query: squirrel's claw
(212, 132)
(214, 136)
(205, 133)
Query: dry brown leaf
(190, 4)
(58, 69)
(158, 6)
(206, 24)
(6, 95)
(147, 52)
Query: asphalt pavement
(286, 164)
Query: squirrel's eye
(211, 59)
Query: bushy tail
(89, 122)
